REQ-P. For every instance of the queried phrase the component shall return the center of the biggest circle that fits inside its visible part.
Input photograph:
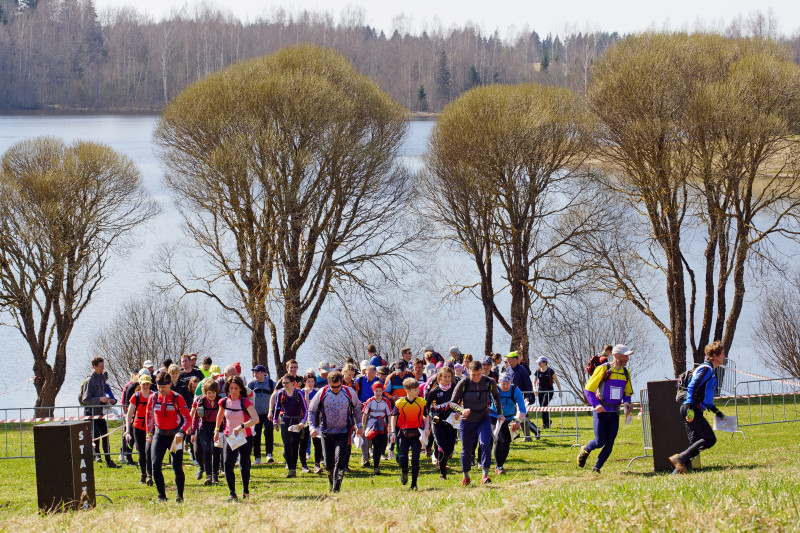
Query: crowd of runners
(385, 411)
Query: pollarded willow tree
(694, 129)
(502, 180)
(63, 210)
(285, 171)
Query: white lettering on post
(83, 463)
(83, 477)
(80, 435)
(81, 447)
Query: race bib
(615, 393)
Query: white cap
(145, 372)
(621, 349)
(147, 363)
(364, 364)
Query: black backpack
(683, 385)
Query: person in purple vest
(609, 388)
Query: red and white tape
(60, 419)
(18, 386)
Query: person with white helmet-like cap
(543, 379)
(609, 388)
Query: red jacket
(167, 414)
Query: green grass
(745, 484)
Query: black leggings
(158, 448)
(446, 437)
(404, 444)
(544, 401)
(378, 445)
(264, 425)
(701, 436)
(334, 449)
(291, 444)
(100, 427)
(143, 450)
(208, 455)
(503, 443)
(305, 437)
(229, 459)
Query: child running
(408, 417)
(376, 412)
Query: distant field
(745, 484)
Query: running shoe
(582, 456)
(291, 474)
(413, 487)
(596, 470)
(179, 499)
(377, 471)
(465, 481)
(403, 477)
(678, 463)
(233, 499)
(161, 500)
(270, 460)
(245, 495)
(257, 461)
(112, 464)
(148, 481)
(208, 482)
(365, 464)
(500, 470)
(485, 480)
(199, 475)
(142, 480)
(317, 469)
(306, 470)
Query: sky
(509, 17)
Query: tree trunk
(677, 310)
(519, 322)
(258, 342)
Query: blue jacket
(521, 377)
(510, 400)
(262, 391)
(702, 388)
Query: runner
(375, 420)
(699, 397)
(513, 404)
(290, 411)
(263, 387)
(543, 379)
(608, 388)
(474, 392)
(239, 415)
(204, 420)
(408, 418)
(137, 430)
(332, 415)
(167, 420)
(439, 410)
(306, 441)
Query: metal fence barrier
(726, 378)
(21, 420)
(647, 435)
(767, 401)
(562, 424)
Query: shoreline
(50, 112)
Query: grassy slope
(745, 484)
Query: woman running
(290, 411)
(699, 397)
(137, 430)
(240, 415)
(439, 409)
(167, 420)
(308, 392)
(204, 420)
(543, 379)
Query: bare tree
(389, 327)
(581, 328)
(705, 143)
(502, 178)
(286, 173)
(63, 210)
(778, 329)
(152, 326)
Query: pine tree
(442, 79)
(473, 78)
(545, 61)
(422, 99)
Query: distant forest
(60, 54)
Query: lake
(460, 324)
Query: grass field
(745, 484)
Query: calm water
(131, 135)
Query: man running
(474, 393)
(608, 388)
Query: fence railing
(726, 378)
(647, 434)
(767, 401)
(560, 423)
(22, 420)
